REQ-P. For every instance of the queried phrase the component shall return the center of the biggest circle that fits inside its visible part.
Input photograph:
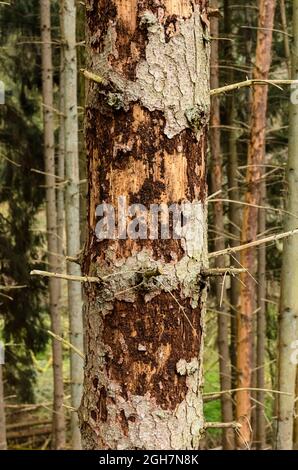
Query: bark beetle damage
(144, 325)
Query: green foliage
(21, 195)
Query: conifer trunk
(256, 152)
(72, 211)
(288, 325)
(49, 155)
(146, 135)
(219, 243)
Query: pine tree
(146, 140)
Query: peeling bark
(144, 337)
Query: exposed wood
(143, 358)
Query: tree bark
(261, 328)
(146, 140)
(250, 214)
(49, 156)
(232, 169)
(3, 442)
(288, 326)
(72, 211)
(219, 243)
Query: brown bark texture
(256, 152)
(219, 243)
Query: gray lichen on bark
(172, 79)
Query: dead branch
(67, 277)
(248, 83)
(236, 249)
(215, 425)
(67, 343)
(222, 271)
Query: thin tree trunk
(288, 327)
(81, 36)
(283, 16)
(219, 244)
(261, 328)
(61, 162)
(250, 215)
(49, 155)
(232, 169)
(72, 209)
(3, 443)
(143, 375)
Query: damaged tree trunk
(146, 142)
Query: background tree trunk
(250, 215)
(72, 211)
(233, 189)
(143, 375)
(49, 155)
(219, 243)
(3, 443)
(288, 328)
(261, 327)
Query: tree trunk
(72, 209)
(288, 328)
(283, 17)
(232, 169)
(61, 160)
(219, 244)
(250, 214)
(261, 327)
(49, 155)
(146, 135)
(3, 443)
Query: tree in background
(51, 212)
(21, 196)
(216, 167)
(72, 207)
(255, 160)
(288, 325)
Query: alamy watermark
(294, 355)
(179, 221)
(294, 93)
(158, 221)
